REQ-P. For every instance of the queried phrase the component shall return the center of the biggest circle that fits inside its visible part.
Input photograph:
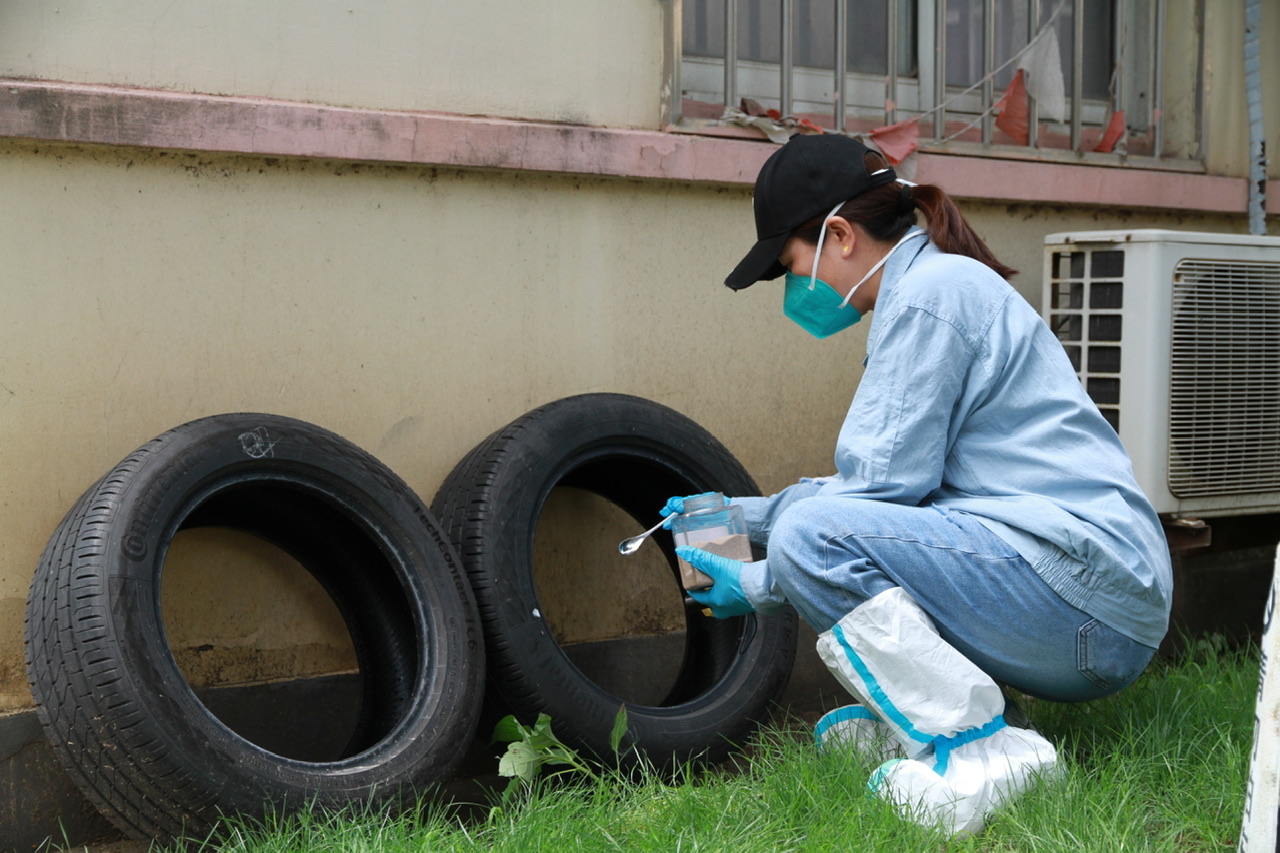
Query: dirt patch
(114, 847)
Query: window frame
(1137, 75)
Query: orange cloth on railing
(1014, 114)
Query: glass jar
(712, 525)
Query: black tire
(635, 453)
(130, 730)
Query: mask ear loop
(879, 263)
(817, 255)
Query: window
(944, 63)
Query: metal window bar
(1033, 109)
(891, 62)
(1119, 49)
(787, 65)
(940, 69)
(932, 64)
(731, 52)
(841, 62)
(1157, 83)
(988, 54)
(1077, 74)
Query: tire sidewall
(598, 426)
(185, 466)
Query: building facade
(411, 223)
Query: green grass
(1160, 767)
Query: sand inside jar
(735, 546)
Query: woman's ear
(843, 234)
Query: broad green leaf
(541, 737)
(507, 730)
(560, 755)
(520, 761)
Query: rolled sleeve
(761, 513)
(760, 588)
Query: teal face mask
(814, 306)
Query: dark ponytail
(887, 211)
(948, 229)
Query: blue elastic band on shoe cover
(942, 746)
(840, 715)
(877, 694)
(877, 778)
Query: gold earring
(846, 249)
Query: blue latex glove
(725, 596)
(675, 506)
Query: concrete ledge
(39, 803)
(107, 115)
(309, 719)
(157, 119)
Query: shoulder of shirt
(955, 291)
(938, 279)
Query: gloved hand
(725, 596)
(675, 506)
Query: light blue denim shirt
(968, 401)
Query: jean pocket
(1108, 658)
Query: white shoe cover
(978, 778)
(962, 759)
(888, 654)
(855, 727)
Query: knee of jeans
(797, 543)
(791, 546)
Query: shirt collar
(894, 269)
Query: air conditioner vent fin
(1224, 403)
(1086, 298)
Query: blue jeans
(830, 554)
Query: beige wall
(578, 61)
(1225, 125)
(1181, 115)
(412, 310)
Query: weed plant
(1161, 766)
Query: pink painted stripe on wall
(160, 119)
(120, 116)
(1064, 183)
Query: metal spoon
(632, 543)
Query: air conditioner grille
(1086, 302)
(1224, 417)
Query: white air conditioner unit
(1176, 337)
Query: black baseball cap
(802, 180)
